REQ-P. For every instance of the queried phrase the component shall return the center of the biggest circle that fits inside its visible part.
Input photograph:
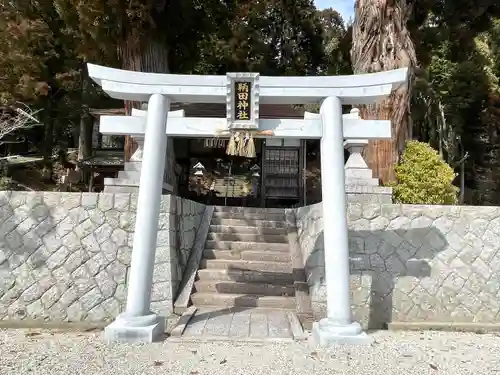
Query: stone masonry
(412, 263)
(65, 256)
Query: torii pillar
(337, 327)
(138, 322)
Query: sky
(344, 7)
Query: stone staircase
(128, 180)
(246, 261)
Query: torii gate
(138, 323)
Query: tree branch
(13, 118)
(462, 160)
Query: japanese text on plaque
(242, 101)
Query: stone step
(134, 175)
(242, 229)
(275, 278)
(250, 216)
(362, 175)
(129, 182)
(249, 210)
(256, 223)
(120, 181)
(267, 238)
(234, 287)
(263, 256)
(132, 166)
(242, 245)
(243, 300)
(362, 182)
(246, 265)
(110, 189)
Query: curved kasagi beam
(143, 113)
(353, 89)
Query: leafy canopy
(424, 177)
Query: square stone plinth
(120, 331)
(328, 336)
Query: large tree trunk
(48, 138)
(382, 42)
(85, 136)
(86, 120)
(150, 56)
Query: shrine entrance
(220, 179)
(273, 178)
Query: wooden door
(281, 177)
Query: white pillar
(148, 207)
(138, 323)
(337, 327)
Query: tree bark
(85, 137)
(86, 121)
(382, 42)
(151, 57)
(48, 138)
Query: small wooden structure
(103, 163)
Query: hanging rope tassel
(241, 145)
(231, 146)
(250, 148)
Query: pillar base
(144, 329)
(325, 334)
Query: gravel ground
(402, 353)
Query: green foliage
(424, 177)
(456, 101)
(5, 179)
(269, 37)
(336, 42)
(26, 46)
(5, 183)
(41, 64)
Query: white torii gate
(138, 323)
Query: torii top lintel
(352, 89)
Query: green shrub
(5, 180)
(423, 177)
(5, 183)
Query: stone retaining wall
(65, 256)
(412, 263)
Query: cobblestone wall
(412, 263)
(65, 256)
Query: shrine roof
(105, 157)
